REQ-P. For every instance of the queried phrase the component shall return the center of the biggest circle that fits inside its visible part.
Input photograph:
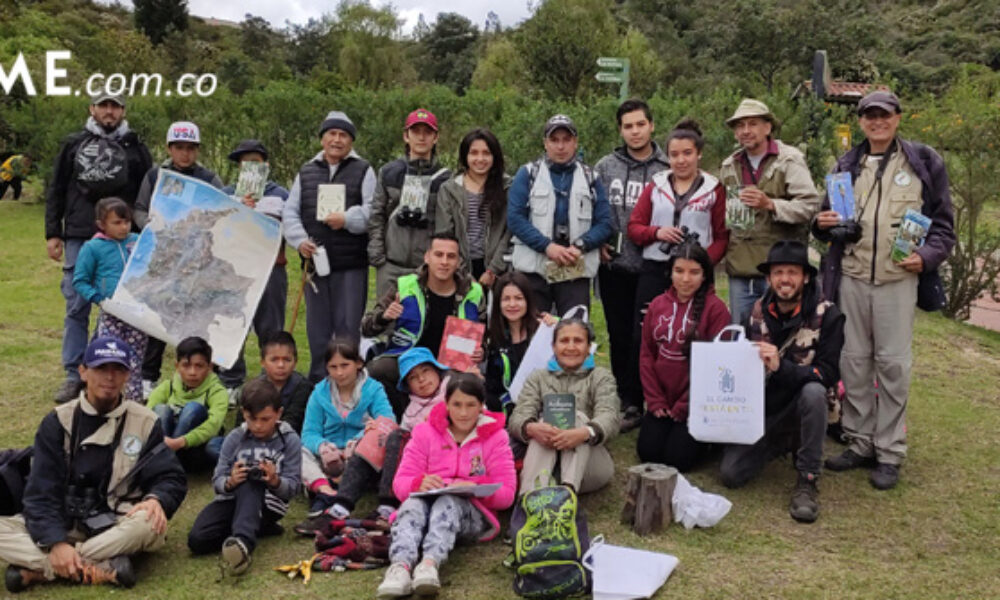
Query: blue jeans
(743, 292)
(189, 417)
(77, 313)
(213, 448)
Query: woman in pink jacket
(459, 445)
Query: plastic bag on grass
(693, 507)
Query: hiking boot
(17, 579)
(117, 571)
(270, 529)
(804, 506)
(630, 419)
(884, 476)
(425, 579)
(849, 459)
(309, 526)
(396, 583)
(70, 389)
(236, 555)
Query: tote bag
(727, 390)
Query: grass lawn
(934, 536)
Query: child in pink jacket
(460, 444)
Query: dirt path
(986, 313)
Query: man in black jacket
(799, 336)
(101, 487)
(105, 159)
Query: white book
(330, 198)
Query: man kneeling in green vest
(414, 309)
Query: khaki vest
(542, 202)
(788, 169)
(139, 421)
(880, 219)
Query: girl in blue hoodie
(98, 268)
(339, 410)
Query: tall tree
(449, 51)
(561, 60)
(157, 18)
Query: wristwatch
(578, 242)
(592, 434)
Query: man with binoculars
(102, 484)
(560, 218)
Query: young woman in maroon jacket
(689, 310)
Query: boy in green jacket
(191, 405)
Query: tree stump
(648, 496)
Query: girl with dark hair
(513, 322)
(473, 206)
(99, 266)
(689, 310)
(340, 409)
(460, 444)
(683, 197)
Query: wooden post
(648, 495)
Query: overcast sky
(299, 11)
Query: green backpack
(549, 532)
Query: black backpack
(100, 166)
(549, 532)
(14, 467)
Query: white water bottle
(321, 261)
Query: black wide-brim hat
(787, 252)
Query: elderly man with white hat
(183, 145)
(773, 181)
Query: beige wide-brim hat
(750, 108)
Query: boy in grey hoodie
(258, 472)
(625, 173)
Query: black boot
(804, 506)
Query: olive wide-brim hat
(751, 108)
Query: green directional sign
(610, 62)
(618, 74)
(606, 77)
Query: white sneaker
(147, 388)
(396, 583)
(425, 579)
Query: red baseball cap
(421, 115)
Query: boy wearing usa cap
(402, 218)
(183, 144)
(101, 486)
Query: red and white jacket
(483, 457)
(704, 214)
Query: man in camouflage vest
(799, 336)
